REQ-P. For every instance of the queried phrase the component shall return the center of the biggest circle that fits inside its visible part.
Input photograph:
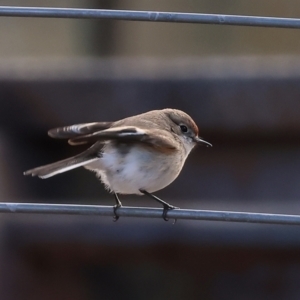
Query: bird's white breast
(136, 168)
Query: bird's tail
(62, 165)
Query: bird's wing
(159, 139)
(68, 132)
(155, 137)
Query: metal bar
(186, 214)
(150, 16)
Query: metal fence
(150, 16)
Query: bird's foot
(166, 208)
(165, 205)
(116, 217)
(118, 205)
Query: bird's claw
(166, 208)
(116, 217)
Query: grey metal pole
(186, 214)
(150, 16)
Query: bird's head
(185, 128)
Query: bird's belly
(138, 169)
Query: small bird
(136, 155)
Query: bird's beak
(198, 141)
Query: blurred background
(242, 87)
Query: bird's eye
(183, 128)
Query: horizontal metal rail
(186, 214)
(150, 16)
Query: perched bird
(136, 155)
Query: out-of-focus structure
(240, 84)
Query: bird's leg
(118, 204)
(166, 205)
